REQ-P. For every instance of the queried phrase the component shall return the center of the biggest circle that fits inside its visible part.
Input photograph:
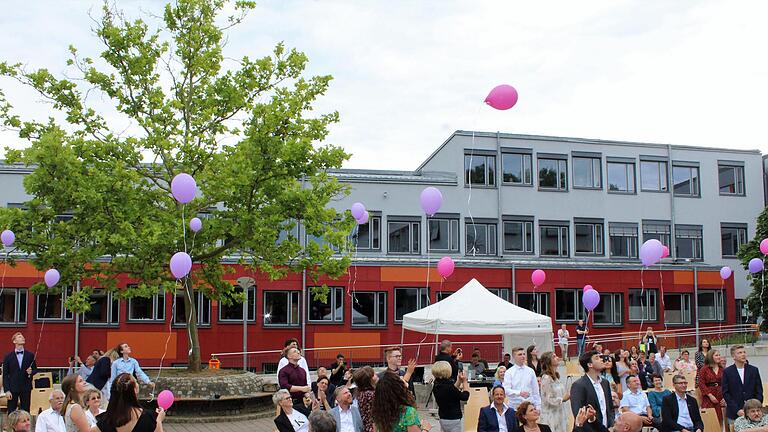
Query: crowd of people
(620, 391)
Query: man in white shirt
(347, 416)
(50, 420)
(520, 382)
(664, 361)
(293, 343)
(636, 401)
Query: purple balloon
(755, 265)
(362, 220)
(52, 277)
(183, 187)
(651, 252)
(431, 200)
(181, 264)
(357, 210)
(8, 238)
(591, 299)
(725, 272)
(195, 224)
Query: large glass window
(553, 240)
(408, 300)
(688, 241)
(51, 307)
(105, 309)
(732, 236)
(479, 170)
(481, 238)
(589, 238)
(516, 168)
(553, 174)
(621, 177)
(730, 179)
(330, 309)
(502, 293)
(568, 305)
(369, 309)
(281, 308)
(658, 230)
(586, 173)
(443, 235)
(518, 237)
(653, 175)
(677, 308)
(610, 310)
(643, 304)
(13, 306)
(403, 237)
(234, 312)
(623, 238)
(147, 308)
(202, 308)
(711, 306)
(686, 179)
(536, 302)
(367, 237)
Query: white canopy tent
(473, 310)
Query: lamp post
(245, 283)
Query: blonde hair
(499, 370)
(441, 370)
(15, 417)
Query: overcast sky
(409, 73)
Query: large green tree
(757, 300)
(170, 79)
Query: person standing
(741, 382)
(445, 355)
(395, 407)
(101, 373)
(347, 416)
(644, 371)
(553, 395)
(679, 411)
(562, 341)
(532, 356)
(365, 380)
(594, 391)
(394, 358)
(19, 367)
(650, 341)
(710, 384)
(293, 343)
(337, 370)
(292, 377)
(701, 356)
(581, 337)
(449, 394)
(127, 364)
(520, 382)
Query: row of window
(369, 309)
(517, 167)
(554, 237)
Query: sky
(409, 73)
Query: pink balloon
(587, 287)
(445, 267)
(764, 246)
(183, 188)
(165, 399)
(431, 200)
(502, 97)
(538, 277)
(664, 251)
(51, 278)
(181, 264)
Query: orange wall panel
(409, 274)
(705, 278)
(322, 339)
(145, 345)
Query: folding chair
(711, 422)
(478, 398)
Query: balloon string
(469, 180)
(42, 326)
(642, 305)
(661, 284)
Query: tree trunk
(193, 362)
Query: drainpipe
(303, 303)
(499, 183)
(671, 186)
(77, 324)
(696, 298)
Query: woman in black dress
(124, 414)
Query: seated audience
(680, 411)
(753, 419)
(636, 401)
(656, 395)
(684, 363)
(497, 416)
(528, 416)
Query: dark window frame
(598, 237)
(560, 229)
(491, 239)
(454, 244)
(489, 174)
(64, 316)
(630, 167)
(741, 235)
(527, 228)
(19, 305)
(738, 175)
(379, 316)
(651, 313)
(414, 239)
(579, 311)
(292, 297)
(562, 170)
(524, 157)
(199, 297)
(720, 301)
(335, 293)
(156, 309)
(421, 293)
(684, 233)
(252, 293)
(374, 234)
(617, 307)
(540, 299)
(695, 186)
(686, 315)
(596, 168)
(663, 176)
(631, 245)
(113, 307)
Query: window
(688, 242)
(711, 305)
(481, 238)
(443, 235)
(586, 173)
(367, 237)
(659, 230)
(518, 236)
(408, 300)
(479, 170)
(623, 239)
(732, 236)
(686, 180)
(553, 174)
(281, 308)
(202, 307)
(589, 237)
(502, 293)
(653, 176)
(51, 306)
(568, 305)
(442, 295)
(536, 302)
(677, 308)
(621, 176)
(329, 310)
(553, 240)
(610, 310)
(643, 305)
(369, 309)
(105, 309)
(234, 311)
(13, 306)
(731, 179)
(147, 308)
(403, 237)
(516, 169)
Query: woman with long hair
(532, 354)
(710, 379)
(701, 356)
(622, 368)
(529, 416)
(498, 377)
(395, 408)
(19, 421)
(365, 379)
(634, 352)
(124, 413)
(553, 394)
(72, 410)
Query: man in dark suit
(488, 420)
(592, 390)
(18, 368)
(679, 411)
(741, 382)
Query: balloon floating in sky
(591, 299)
(52, 277)
(181, 264)
(445, 266)
(538, 277)
(725, 272)
(195, 224)
(755, 265)
(357, 210)
(502, 97)
(431, 200)
(183, 187)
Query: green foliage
(757, 301)
(173, 83)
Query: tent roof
(473, 310)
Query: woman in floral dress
(553, 395)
